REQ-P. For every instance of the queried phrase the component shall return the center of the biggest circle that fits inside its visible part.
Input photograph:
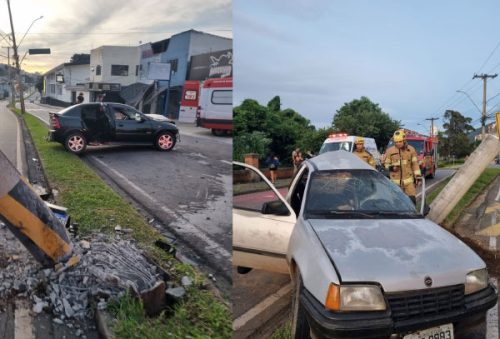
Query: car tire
(165, 141)
(300, 326)
(75, 143)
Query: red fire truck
(427, 151)
(209, 104)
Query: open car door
(262, 221)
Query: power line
(489, 56)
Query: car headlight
(476, 281)
(355, 298)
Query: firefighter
(362, 153)
(402, 163)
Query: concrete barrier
(30, 219)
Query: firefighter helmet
(399, 135)
(359, 140)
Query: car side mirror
(138, 117)
(275, 207)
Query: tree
(364, 118)
(255, 142)
(456, 127)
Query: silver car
(364, 262)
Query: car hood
(397, 253)
(159, 117)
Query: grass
(284, 332)
(485, 179)
(97, 208)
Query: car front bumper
(326, 324)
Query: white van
(342, 141)
(215, 110)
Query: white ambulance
(342, 141)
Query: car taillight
(54, 121)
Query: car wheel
(75, 143)
(165, 141)
(300, 326)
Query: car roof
(337, 160)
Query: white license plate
(438, 332)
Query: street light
(20, 42)
(468, 96)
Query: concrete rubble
(107, 269)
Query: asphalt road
(188, 191)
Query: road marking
(492, 318)
(492, 231)
(492, 209)
(261, 307)
(183, 226)
(498, 194)
(23, 325)
(493, 243)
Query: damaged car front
(366, 264)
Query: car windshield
(336, 146)
(356, 194)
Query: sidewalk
(10, 138)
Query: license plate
(438, 332)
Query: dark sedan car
(110, 123)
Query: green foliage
(255, 142)
(454, 140)
(365, 118)
(264, 129)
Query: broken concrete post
(464, 178)
(29, 219)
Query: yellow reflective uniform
(406, 162)
(366, 156)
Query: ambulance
(342, 141)
(209, 104)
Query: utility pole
(483, 117)
(16, 58)
(432, 126)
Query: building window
(119, 70)
(137, 70)
(98, 70)
(52, 88)
(222, 97)
(59, 89)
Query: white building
(112, 67)
(63, 83)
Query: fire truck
(209, 104)
(427, 151)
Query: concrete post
(464, 178)
(30, 219)
(252, 159)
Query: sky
(70, 26)
(410, 57)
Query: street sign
(32, 51)
(159, 71)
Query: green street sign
(32, 51)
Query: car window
(356, 194)
(92, 112)
(297, 195)
(123, 112)
(252, 193)
(71, 112)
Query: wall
(114, 55)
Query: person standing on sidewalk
(402, 163)
(80, 98)
(273, 164)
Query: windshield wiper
(346, 213)
(396, 213)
